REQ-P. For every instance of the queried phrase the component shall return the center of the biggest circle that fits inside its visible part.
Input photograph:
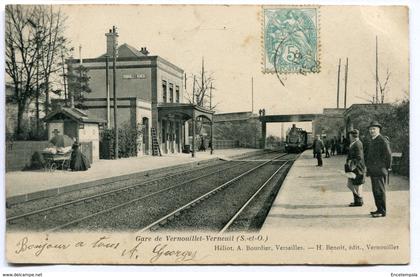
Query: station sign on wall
(134, 76)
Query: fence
(218, 144)
(225, 144)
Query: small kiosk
(76, 124)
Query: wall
(11, 117)
(125, 114)
(330, 125)
(138, 86)
(55, 125)
(19, 153)
(247, 132)
(86, 148)
(144, 111)
(170, 75)
(90, 133)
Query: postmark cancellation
(291, 40)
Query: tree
(53, 46)
(78, 83)
(34, 36)
(202, 94)
(382, 90)
(382, 86)
(21, 52)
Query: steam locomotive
(297, 140)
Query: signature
(162, 250)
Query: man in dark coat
(318, 147)
(327, 148)
(378, 162)
(355, 165)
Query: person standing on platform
(318, 146)
(327, 148)
(333, 146)
(355, 168)
(378, 163)
(78, 161)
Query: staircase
(155, 143)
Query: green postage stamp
(290, 40)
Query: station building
(150, 94)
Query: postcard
(207, 134)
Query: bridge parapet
(288, 118)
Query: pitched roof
(127, 51)
(75, 114)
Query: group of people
(373, 159)
(334, 146)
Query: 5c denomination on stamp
(290, 40)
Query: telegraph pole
(80, 72)
(64, 76)
(108, 100)
(211, 93)
(345, 82)
(338, 84)
(193, 92)
(376, 78)
(252, 95)
(202, 80)
(114, 88)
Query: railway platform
(25, 185)
(314, 198)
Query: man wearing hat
(355, 166)
(378, 162)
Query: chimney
(111, 40)
(144, 51)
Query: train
(297, 140)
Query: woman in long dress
(78, 161)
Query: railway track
(223, 207)
(71, 213)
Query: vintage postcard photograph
(207, 134)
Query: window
(177, 93)
(164, 93)
(171, 93)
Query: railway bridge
(283, 118)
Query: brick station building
(150, 94)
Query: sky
(229, 38)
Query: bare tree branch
(33, 40)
